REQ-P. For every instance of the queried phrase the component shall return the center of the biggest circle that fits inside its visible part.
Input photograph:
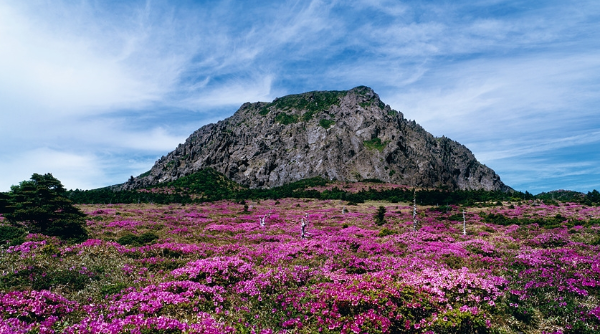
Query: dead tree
(303, 225)
(262, 221)
(415, 221)
(464, 223)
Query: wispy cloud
(511, 148)
(77, 170)
(70, 72)
(92, 83)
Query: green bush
(40, 278)
(452, 261)
(311, 101)
(307, 116)
(11, 235)
(456, 321)
(326, 123)
(376, 144)
(147, 238)
(111, 289)
(128, 239)
(385, 232)
(135, 240)
(545, 222)
(264, 111)
(70, 230)
(456, 217)
(286, 119)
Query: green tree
(380, 216)
(593, 196)
(40, 205)
(4, 203)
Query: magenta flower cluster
(217, 268)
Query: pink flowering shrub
(216, 271)
(203, 323)
(164, 299)
(217, 268)
(26, 311)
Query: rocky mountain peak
(339, 135)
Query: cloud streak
(93, 83)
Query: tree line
(209, 185)
(43, 205)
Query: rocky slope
(339, 135)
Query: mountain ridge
(338, 135)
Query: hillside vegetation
(210, 185)
(276, 264)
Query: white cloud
(156, 139)
(393, 8)
(65, 74)
(233, 93)
(514, 148)
(498, 98)
(102, 78)
(73, 170)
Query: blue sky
(96, 91)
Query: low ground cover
(227, 267)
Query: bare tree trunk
(415, 222)
(464, 223)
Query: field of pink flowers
(216, 268)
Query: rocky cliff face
(338, 135)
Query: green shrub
(326, 123)
(111, 289)
(40, 278)
(456, 321)
(456, 217)
(147, 238)
(375, 144)
(135, 240)
(144, 174)
(307, 116)
(128, 239)
(173, 254)
(286, 119)
(385, 232)
(452, 261)
(311, 101)
(72, 279)
(11, 235)
(70, 230)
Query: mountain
(339, 135)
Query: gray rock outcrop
(339, 135)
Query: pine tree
(40, 205)
(4, 203)
(380, 216)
